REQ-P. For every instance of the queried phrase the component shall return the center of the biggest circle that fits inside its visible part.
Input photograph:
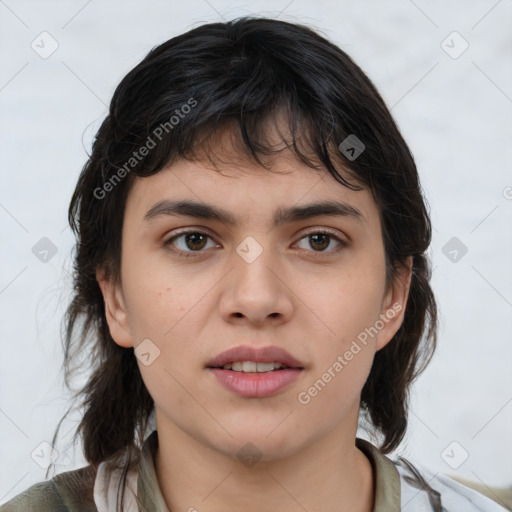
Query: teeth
(249, 366)
(264, 367)
(252, 367)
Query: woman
(250, 274)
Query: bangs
(179, 100)
(281, 133)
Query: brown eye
(195, 241)
(319, 241)
(189, 241)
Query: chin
(260, 444)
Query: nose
(256, 292)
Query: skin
(307, 298)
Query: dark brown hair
(240, 74)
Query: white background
(455, 114)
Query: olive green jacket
(399, 486)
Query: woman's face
(279, 275)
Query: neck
(329, 474)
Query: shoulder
(424, 489)
(71, 491)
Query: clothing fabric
(399, 487)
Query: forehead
(238, 193)
(223, 175)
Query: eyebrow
(281, 215)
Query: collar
(386, 478)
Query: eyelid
(185, 231)
(343, 241)
(327, 231)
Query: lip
(256, 385)
(258, 355)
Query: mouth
(254, 367)
(255, 373)
(245, 358)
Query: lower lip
(256, 385)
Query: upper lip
(258, 355)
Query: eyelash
(187, 254)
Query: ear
(394, 303)
(115, 310)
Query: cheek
(156, 297)
(166, 309)
(346, 302)
(336, 380)
(349, 305)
